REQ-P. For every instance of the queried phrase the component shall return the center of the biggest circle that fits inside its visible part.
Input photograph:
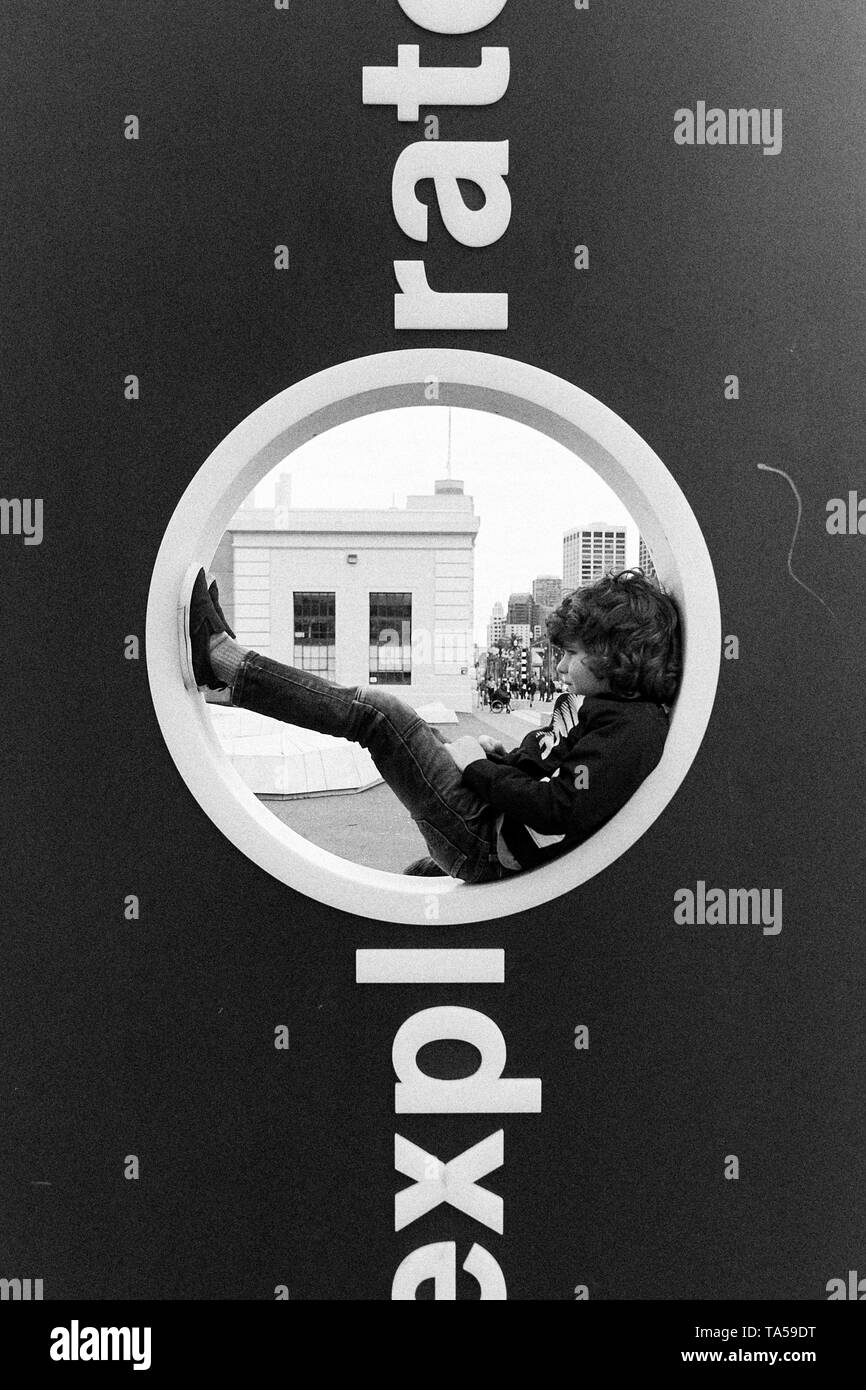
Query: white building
(380, 597)
(590, 551)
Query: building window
(390, 639)
(315, 634)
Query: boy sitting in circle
(485, 813)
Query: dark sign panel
(354, 307)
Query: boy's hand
(466, 750)
(492, 745)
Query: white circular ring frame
(387, 381)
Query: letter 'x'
(454, 1182)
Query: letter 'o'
(452, 16)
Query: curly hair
(631, 631)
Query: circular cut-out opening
(386, 381)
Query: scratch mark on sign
(767, 469)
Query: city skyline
(542, 592)
(510, 471)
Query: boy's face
(575, 674)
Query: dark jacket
(542, 784)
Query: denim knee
(396, 710)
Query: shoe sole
(185, 645)
(183, 611)
(212, 697)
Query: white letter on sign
(439, 1263)
(485, 1092)
(446, 17)
(484, 162)
(417, 306)
(409, 86)
(429, 965)
(454, 1182)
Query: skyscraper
(520, 609)
(645, 562)
(590, 551)
(547, 590)
(496, 626)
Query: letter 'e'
(439, 1263)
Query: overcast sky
(527, 488)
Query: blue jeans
(458, 827)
